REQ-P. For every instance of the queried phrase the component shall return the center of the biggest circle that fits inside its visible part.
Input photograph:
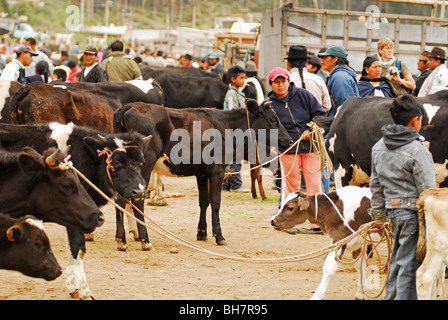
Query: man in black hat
(297, 67)
(93, 72)
(438, 79)
(186, 60)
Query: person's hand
(306, 135)
(274, 151)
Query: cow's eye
(68, 188)
(39, 245)
(290, 208)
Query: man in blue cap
(213, 61)
(342, 80)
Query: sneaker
(240, 190)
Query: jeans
(233, 182)
(401, 284)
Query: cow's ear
(94, 145)
(29, 163)
(252, 106)
(302, 202)
(14, 233)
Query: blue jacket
(342, 84)
(366, 88)
(303, 106)
(402, 168)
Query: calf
(25, 247)
(353, 203)
(432, 250)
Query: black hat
(297, 53)
(438, 53)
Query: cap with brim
(91, 50)
(23, 49)
(438, 53)
(187, 56)
(213, 55)
(278, 72)
(335, 51)
(314, 61)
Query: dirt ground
(189, 274)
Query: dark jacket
(303, 106)
(97, 74)
(366, 88)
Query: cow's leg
(215, 200)
(260, 183)
(142, 232)
(427, 274)
(253, 177)
(120, 233)
(204, 200)
(330, 267)
(360, 267)
(76, 282)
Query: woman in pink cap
(295, 107)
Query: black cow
(149, 72)
(357, 127)
(148, 91)
(25, 247)
(209, 174)
(90, 153)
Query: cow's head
(26, 248)
(294, 211)
(121, 158)
(264, 117)
(56, 194)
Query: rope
(160, 230)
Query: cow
(7, 88)
(148, 91)
(352, 203)
(189, 87)
(24, 247)
(44, 103)
(112, 162)
(189, 124)
(357, 127)
(432, 249)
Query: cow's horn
(51, 160)
(102, 138)
(147, 139)
(66, 149)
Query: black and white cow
(24, 247)
(357, 127)
(89, 152)
(352, 203)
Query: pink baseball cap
(278, 72)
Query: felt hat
(438, 53)
(297, 53)
(91, 50)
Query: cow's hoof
(201, 238)
(146, 246)
(89, 236)
(134, 235)
(221, 243)
(121, 246)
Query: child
(401, 169)
(235, 99)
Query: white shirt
(436, 81)
(41, 57)
(11, 71)
(314, 84)
(87, 69)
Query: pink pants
(309, 164)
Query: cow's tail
(118, 118)
(17, 113)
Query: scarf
(387, 64)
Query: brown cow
(44, 103)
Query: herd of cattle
(118, 134)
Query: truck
(16, 27)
